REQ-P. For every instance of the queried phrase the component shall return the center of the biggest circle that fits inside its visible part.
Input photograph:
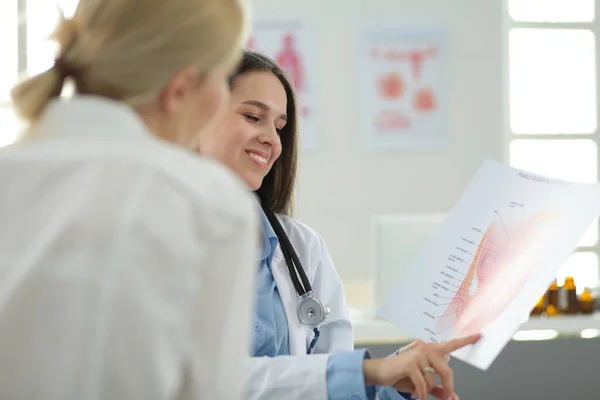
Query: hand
(405, 371)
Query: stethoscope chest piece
(312, 312)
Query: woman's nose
(269, 135)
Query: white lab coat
(126, 264)
(302, 376)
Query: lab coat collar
(297, 332)
(289, 297)
(90, 116)
(269, 240)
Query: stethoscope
(311, 312)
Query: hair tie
(66, 34)
(63, 69)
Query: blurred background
(401, 102)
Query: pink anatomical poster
(290, 44)
(402, 87)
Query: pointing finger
(455, 344)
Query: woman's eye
(251, 118)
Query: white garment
(300, 376)
(126, 264)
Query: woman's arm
(342, 372)
(312, 376)
(287, 377)
(335, 371)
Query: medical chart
(291, 43)
(491, 260)
(402, 80)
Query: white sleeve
(287, 377)
(222, 308)
(336, 332)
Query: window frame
(508, 135)
(22, 38)
(21, 45)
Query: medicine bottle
(586, 302)
(552, 296)
(540, 306)
(567, 297)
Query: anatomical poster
(491, 260)
(402, 81)
(290, 44)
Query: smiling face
(258, 136)
(248, 140)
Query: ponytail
(128, 50)
(31, 96)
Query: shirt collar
(269, 240)
(90, 116)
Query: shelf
(368, 329)
(567, 325)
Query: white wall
(341, 185)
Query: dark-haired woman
(290, 359)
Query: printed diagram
(288, 57)
(391, 85)
(488, 269)
(491, 258)
(288, 44)
(290, 60)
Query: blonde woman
(126, 263)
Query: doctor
(303, 342)
(126, 262)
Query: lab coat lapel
(289, 298)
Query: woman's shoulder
(309, 244)
(316, 259)
(300, 233)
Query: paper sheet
(495, 255)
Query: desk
(370, 330)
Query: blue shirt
(345, 378)
(271, 334)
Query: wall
(341, 185)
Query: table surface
(368, 329)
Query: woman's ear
(178, 89)
(197, 147)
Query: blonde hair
(128, 50)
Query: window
(552, 10)
(553, 104)
(8, 46)
(25, 27)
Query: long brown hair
(277, 189)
